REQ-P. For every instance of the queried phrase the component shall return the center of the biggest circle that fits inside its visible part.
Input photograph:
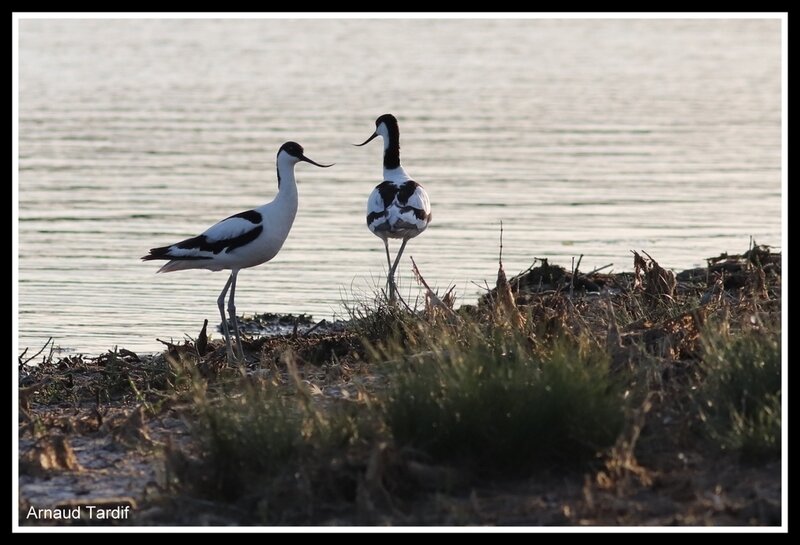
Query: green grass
(490, 402)
(379, 320)
(273, 452)
(741, 392)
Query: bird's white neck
(287, 185)
(397, 175)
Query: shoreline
(276, 324)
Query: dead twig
(574, 272)
(202, 340)
(22, 363)
(433, 297)
(598, 269)
(314, 327)
(505, 304)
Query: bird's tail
(177, 265)
(176, 262)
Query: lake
(591, 137)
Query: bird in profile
(240, 241)
(398, 207)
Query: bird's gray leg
(397, 262)
(232, 313)
(389, 279)
(221, 305)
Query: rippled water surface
(589, 137)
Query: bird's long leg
(389, 279)
(221, 305)
(232, 313)
(397, 262)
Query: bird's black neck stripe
(391, 156)
(279, 179)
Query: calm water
(589, 137)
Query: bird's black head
(296, 150)
(385, 126)
(292, 148)
(388, 119)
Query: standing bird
(398, 207)
(240, 241)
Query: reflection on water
(589, 137)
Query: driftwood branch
(598, 269)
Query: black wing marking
(250, 215)
(202, 244)
(388, 191)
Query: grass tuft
(494, 404)
(274, 453)
(741, 393)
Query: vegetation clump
(560, 397)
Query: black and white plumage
(240, 241)
(398, 207)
